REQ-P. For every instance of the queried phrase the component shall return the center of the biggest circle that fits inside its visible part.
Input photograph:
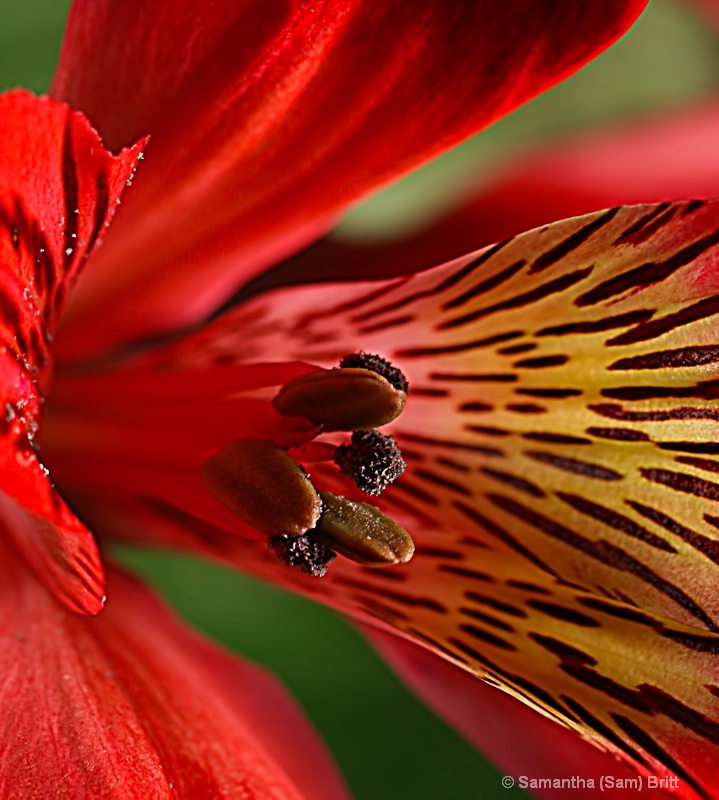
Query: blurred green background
(387, 744)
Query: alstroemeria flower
(559, 427)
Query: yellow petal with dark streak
(563, 396)
(562, 441)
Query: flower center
(263, 484)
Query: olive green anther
(362, 533)
(341, 399)
(258, 482)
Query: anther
(262, 485)
(379, 365)
(308, 553)
(372, 461)
(341, 399)
(362, 533)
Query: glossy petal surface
(255, 147)
(560, 436)
(133, 704)
(58, 191)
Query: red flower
(128, 704)
(553, 489)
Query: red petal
(59, 549)
(518, 739)
(267, 120)
(665, 157)
(58, 190)
(132, 704)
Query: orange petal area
(709, 10)
(132, 704)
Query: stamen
(312, 556)
(372, 461)
(362, 533)
(262, 485)
(341, 399)
(379, 365)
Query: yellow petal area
(641, 686)
(561, 434)
(562, 395)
